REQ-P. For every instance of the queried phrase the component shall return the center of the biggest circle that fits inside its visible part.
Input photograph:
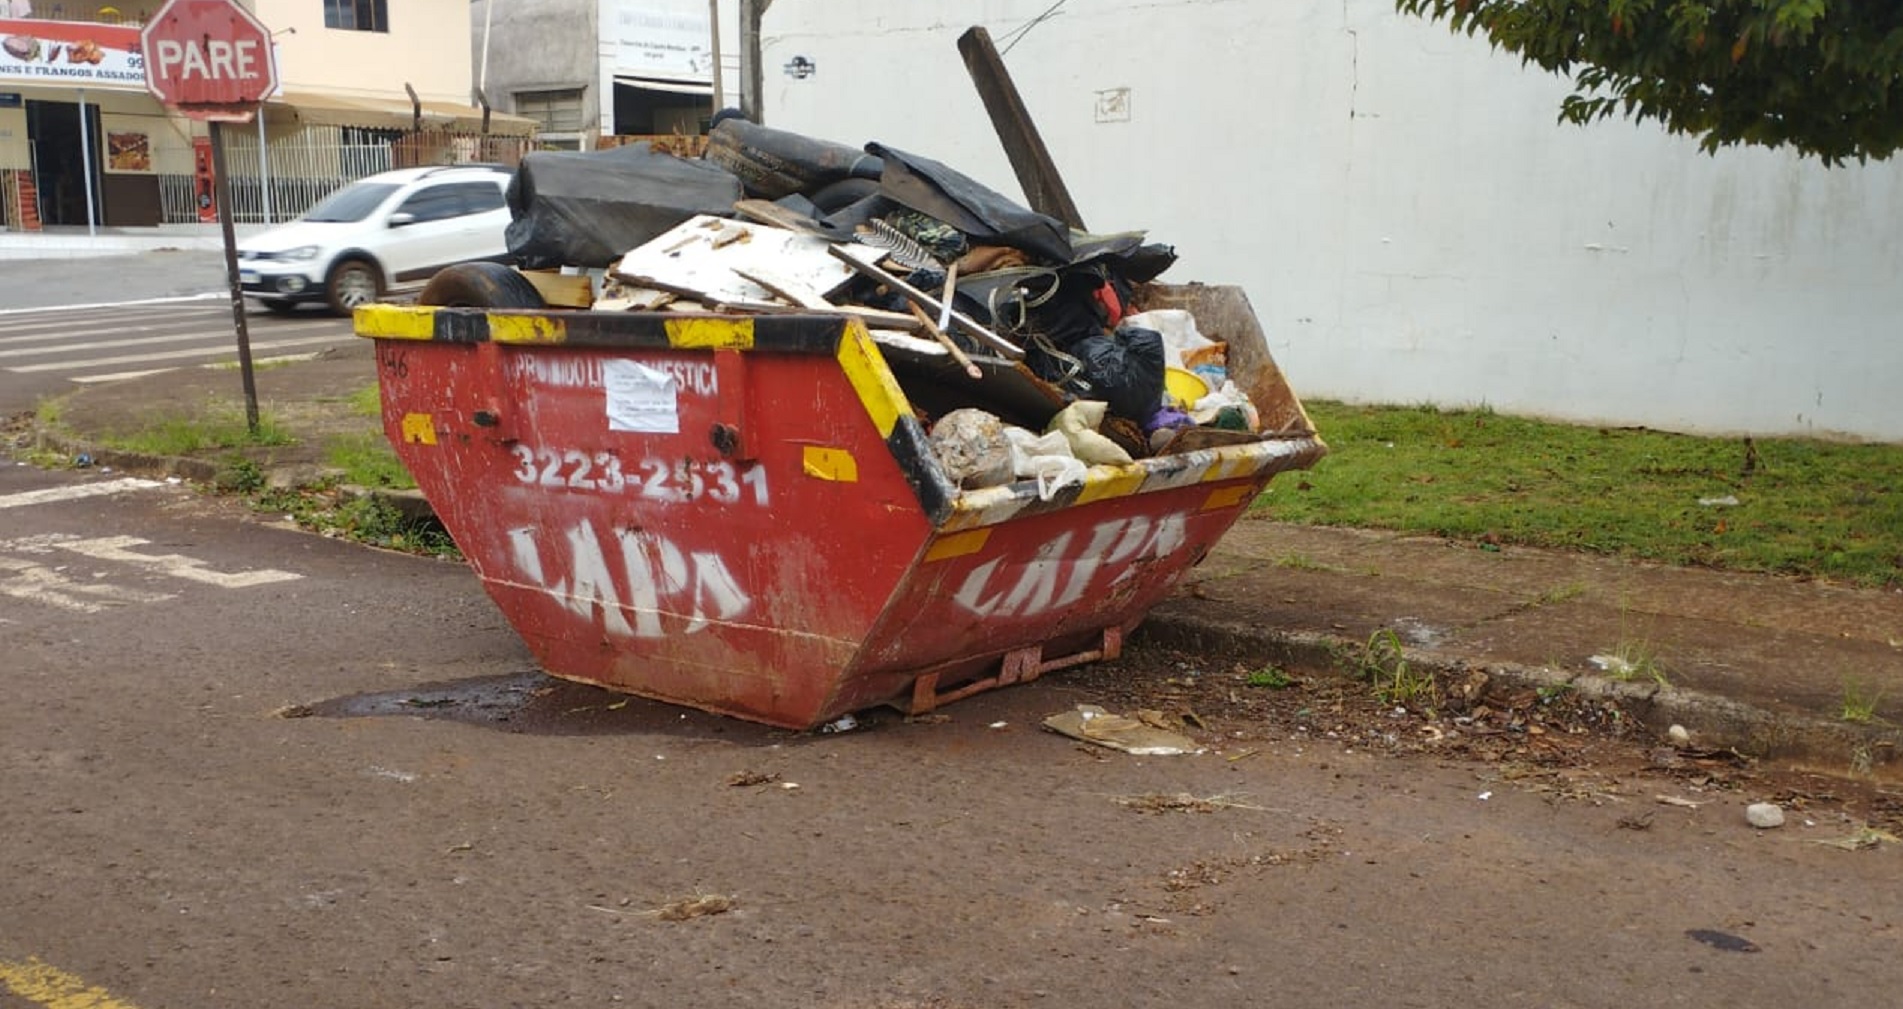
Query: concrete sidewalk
(1756, 662)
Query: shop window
(557, 111)
(357, 15)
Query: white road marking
(140, 341)
(31, 332)
(119, 304)
(115, 548)
(258, 362)
(120, 376)
(174, 355)
(38, 583)
(73, 492)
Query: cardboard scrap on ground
(1138, 735)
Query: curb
(1829, 746)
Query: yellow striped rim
(394, 322)
(1228, 497)
(710, 334)
(884, 401)
(1102, 482)
(541, 328)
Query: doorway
(59, 167)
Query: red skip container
(742, 513)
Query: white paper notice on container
(641, 399)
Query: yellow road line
(54, 988)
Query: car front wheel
(352, 282)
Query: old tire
(480, 285)
(352, 282)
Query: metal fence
(303, 168)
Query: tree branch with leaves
(1824, 77)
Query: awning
(673, 87)
(312, 109)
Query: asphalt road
(244, 766)
(76, 321)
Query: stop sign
(208, 57)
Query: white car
(378, 235)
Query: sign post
(211, 60)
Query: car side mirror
(401, 218)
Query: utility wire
(1025, 29)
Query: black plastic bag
(1123, 369)
(575, 208)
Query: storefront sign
(668, 40)
(73, 53)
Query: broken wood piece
(951, 292)
(965, 322)
(957, 352)
(786, 287)
(559, 290)
(870, 316)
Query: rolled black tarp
(588, 208)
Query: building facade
(82, 143)
(1410, 221)
(584, 69)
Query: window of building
(357, 15)
(557, 111)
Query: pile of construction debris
(1018, 337)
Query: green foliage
(368, 519)
(1396, 681)
(1804, 506)
(238, 475)
(1860, 704)
(218, 426)
(1822, 76)
(1272, 677)
(367, 460)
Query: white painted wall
(426, 47)
(1409, 219)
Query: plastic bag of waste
(1078, 424)
(1228, 407)
(972, 446)
(1184, 346)
(1124, 369)
(587, 208)
(1046, 458)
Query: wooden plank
(560, 291)
(1030, 159)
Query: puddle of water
(538, 704)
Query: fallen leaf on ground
(747, 779)
(1183, 802)
(694, 907)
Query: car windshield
(351, 203)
